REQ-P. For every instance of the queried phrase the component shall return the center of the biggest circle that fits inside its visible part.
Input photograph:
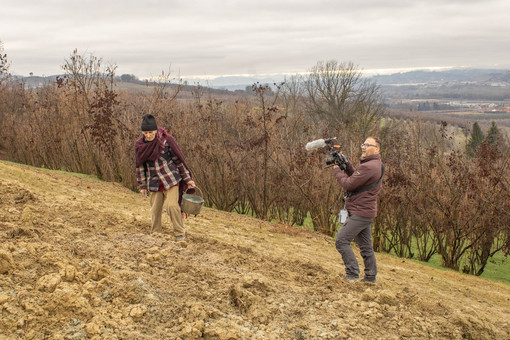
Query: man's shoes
(351, 278)
(180, 237)
(370, 279)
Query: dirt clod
(48, 283)
(6, 262)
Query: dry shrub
(247, 155)
(439, 200)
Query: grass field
(497, 269)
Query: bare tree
(84, 73)
(4, 64)
(338, 93)
(4, 75)
(164, 92)
(268, 109)
(292, 94)
(92, 102)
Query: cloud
(230, 37)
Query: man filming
(361, 187)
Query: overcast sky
(229, 37)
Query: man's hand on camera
(343, 166)
(343, 162)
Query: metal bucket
(191, 204)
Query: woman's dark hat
(149, 123)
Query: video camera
(336, 158)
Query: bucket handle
(202, 195)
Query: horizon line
(364, 72)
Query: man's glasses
(367, 145)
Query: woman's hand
(191, 184)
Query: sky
(210, 38)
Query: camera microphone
(316, 144)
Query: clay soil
(77, 261)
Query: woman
(162, 170)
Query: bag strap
(366, 187)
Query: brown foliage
(443, 200)
(247, 155)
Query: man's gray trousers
(360, 229)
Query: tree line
(247, 153)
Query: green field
(497, 269)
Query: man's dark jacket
(369, 171)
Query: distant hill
(494, 78)
(443, 77)
(132, 85)
(455, 76)
(241, 82)
(490, 77)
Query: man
(162, 169)
(361, 187)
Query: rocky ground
(77, 262)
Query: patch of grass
(52, 170)
(497, 268)
(75, 174)
(307, 223)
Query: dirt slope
(77, 262)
